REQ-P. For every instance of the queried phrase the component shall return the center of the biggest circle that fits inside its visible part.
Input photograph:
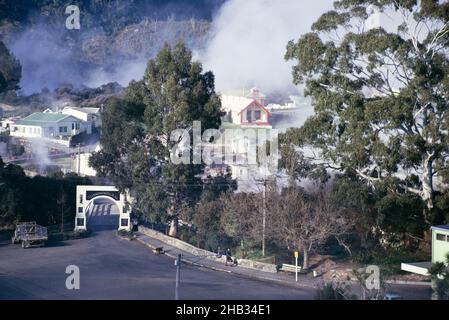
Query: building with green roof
(49, 125)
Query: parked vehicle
(30, 234)
(392, 296)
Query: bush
(125, 233)
(335, 291)
(389, 260)
(68, 235)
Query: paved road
(113, 268)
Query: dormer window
(249, 115)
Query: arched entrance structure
(86, 195)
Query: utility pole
(264, 212)
(79, 158)
(178, 275)
(264, 217)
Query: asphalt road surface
(112, 268)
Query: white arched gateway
(85, 197)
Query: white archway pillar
(87, 194)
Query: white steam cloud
(40, 153)
(249, 39)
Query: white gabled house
(49, 125)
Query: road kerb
(279, 281)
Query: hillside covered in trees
(114, 41)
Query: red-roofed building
(247, 110)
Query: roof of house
(255, 103)
(84, 110)
(41, 118)
(235, 103)
(441, 228)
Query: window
(248, 115)
(80, 209)
(81, 198)
(80, 222)
(62, 129)
(124, 222)
(73, 125)
(441, 237)
(257, 115)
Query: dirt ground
(330, 269)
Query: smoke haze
(249, 39)
(47, 61)
(244, 47)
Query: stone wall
(266, 267)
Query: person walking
(228, 256)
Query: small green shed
(440, 243)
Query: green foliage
(380, 98)
(10, 70)
(440, 279)
(401, 216)
(36, 199)
(441, 210)
(388, 259)
(209, 232)
(137, 147)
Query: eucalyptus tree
(380, 91)
(137, 134)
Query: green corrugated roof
(40, 118)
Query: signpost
(178, 274)
(296, 265)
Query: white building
(81, 163)
(91, 115)
(49, 125)
(246, 109)
(5, 124)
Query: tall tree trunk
(173, 228)
(305, 261)
(427, 186)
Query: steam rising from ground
(47, 61)
(40, 153)
(246, 48)
(249, 41)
